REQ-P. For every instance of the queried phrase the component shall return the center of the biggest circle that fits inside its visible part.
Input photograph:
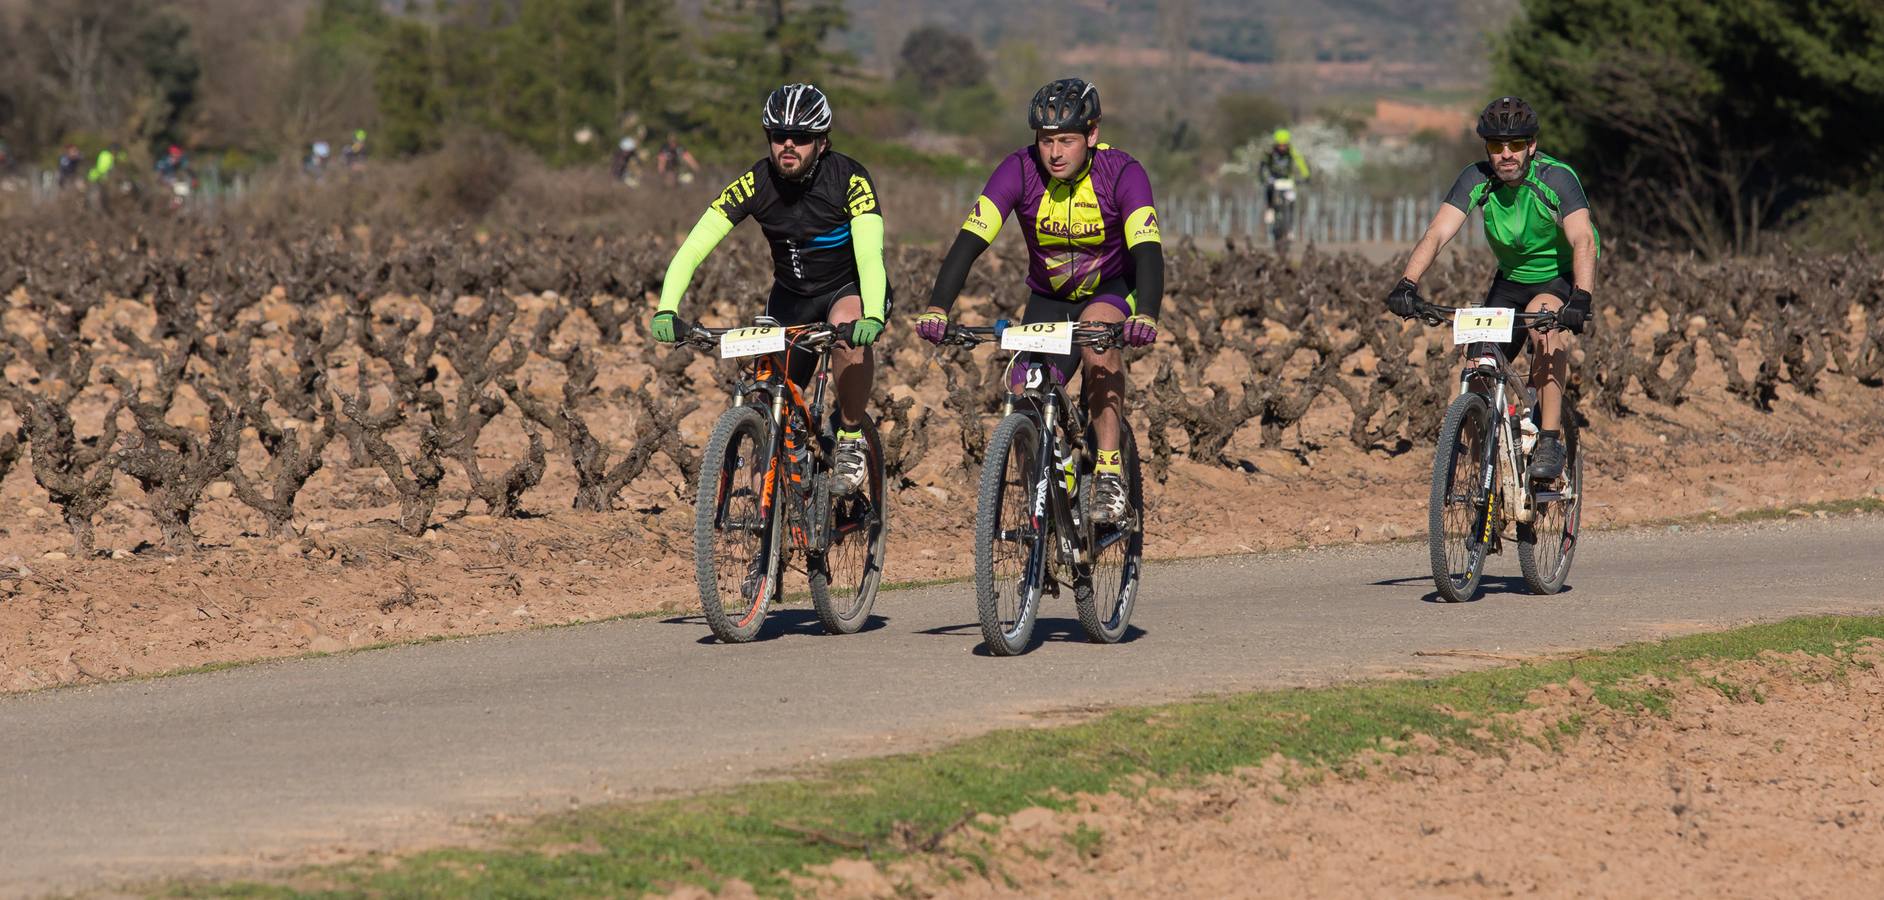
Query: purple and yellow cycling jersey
(1079, 233)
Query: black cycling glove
(1404, 300)
(1575, 313)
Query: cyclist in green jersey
(1537, 221)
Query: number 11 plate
(1489, 323)
(1040, 337)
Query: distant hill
(1332, 46)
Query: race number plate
(751, 342)
(1489, 323)
(1285, 184)
(1040, 337)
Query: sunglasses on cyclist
(1515, 145)
(800, 138)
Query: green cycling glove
(663, 326)
(864, 331)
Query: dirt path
(1771, 797)
(290, 761)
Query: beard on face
(802, 157)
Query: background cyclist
(818, 209)
(1537, 221)
(1094, 255)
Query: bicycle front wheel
(844, 578)
(1105, 597)
(1010, 537)
(1460, 515)
(1546, 546)
(735, 534)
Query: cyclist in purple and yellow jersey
(1094, 255)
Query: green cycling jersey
(1524, 221)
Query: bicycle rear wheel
(1461, 510)
(735, 534)
(845, 576)
(1546, 546)
(1010, 539)
(1106, 596)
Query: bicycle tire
(852, 559)
(1107, 595)
(737, 454)
(1453, 519)
(1546, 566)
(1006, 533)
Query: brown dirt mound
(1765, 784)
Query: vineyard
(485, 418)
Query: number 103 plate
(751, 342)
(1039, 337)
(1471, 325)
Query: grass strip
(891, 806)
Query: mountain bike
(766, 493)
(1480, 484)
(1280, 214)
(1033, 525)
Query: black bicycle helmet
(1070, 104)
(797, 107)
(1507, 117)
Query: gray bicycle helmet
(797, 107)
(1069, 104)
(1507, 117)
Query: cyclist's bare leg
(1550, 365)
(1104, 381)
(852, 368)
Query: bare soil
(1770, 786)
(349, 578)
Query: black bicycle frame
(1052, 411)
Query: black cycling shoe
(1547, 458)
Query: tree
(751, 47)
(569, 64)
(112, 68)
(406, 85)
(1698, 123)
(936, 59)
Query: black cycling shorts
(792, 308)
(1113, 292)
(1514, 295)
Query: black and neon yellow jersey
(808, 223)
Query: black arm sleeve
(954, 272)
(1148, 259)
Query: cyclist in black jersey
(818, 209)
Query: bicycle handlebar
(814, 337)
(1095, 335)
(1433, 314)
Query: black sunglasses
(801, 138)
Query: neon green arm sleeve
(866, 240)
(707, 233)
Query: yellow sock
(1108, 461)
